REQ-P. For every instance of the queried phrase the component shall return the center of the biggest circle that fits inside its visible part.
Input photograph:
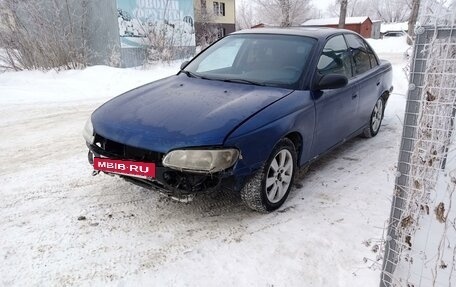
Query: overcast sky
(322, 4)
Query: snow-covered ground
(324, 235)
(390, 45)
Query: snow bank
(93, 83)
(395, 45)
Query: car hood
(181, 112)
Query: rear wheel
(268, 189)
(375, 120)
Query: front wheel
(375, 120)
(268, 189)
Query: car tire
(375, 120)
(268, 189)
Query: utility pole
(343, 13)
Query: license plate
(125, 167)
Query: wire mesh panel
(421, 244)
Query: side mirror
(184, 64)
(331, 82)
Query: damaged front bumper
(167, 181)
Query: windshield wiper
(190, 74)
(242, 81)
(194, 75)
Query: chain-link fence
(421, 243)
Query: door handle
(354, 96)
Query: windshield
(262, 59)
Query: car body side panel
(387, 76)
(335, 116)
(257, 137)
(372, 85)
(369, 92)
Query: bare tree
(412, 20)
(354, 8)
(284, 12)
(245, 15)
(208, 30)
(385, 10)
(165, 40)
(391, 11)
(343, 13)
(42, 35)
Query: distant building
(376, 29)
(394, 29)
(218, 16)
(360, 25)
(263, 25)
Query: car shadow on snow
(222, 202)
(336, 163)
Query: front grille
(122, 151)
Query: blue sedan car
(244, 114)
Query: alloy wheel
(279, 176)
(377, 115)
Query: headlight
(88, 132)
(208, 161)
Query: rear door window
(361, 57)
(373, 59)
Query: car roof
(314, 32)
